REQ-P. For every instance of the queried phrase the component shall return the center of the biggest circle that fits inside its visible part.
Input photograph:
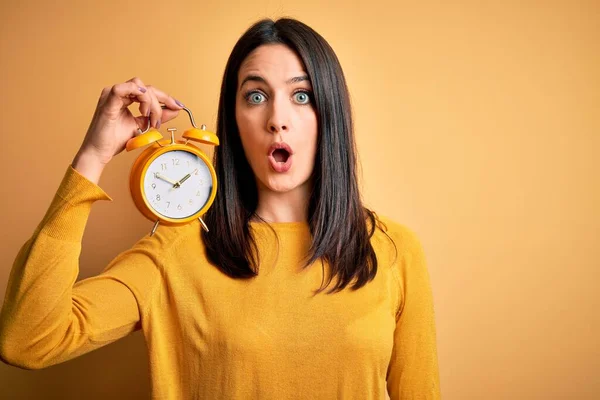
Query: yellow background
(478, 126)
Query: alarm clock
(172, 181)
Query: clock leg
(203, 224)
(154, 228)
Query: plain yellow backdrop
(477, 123)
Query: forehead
(275, 62)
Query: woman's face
(274, 104)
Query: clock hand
(159, 176)
(179, 182)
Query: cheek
(243, 121)
(248, 127)
(311, 130)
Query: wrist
(89, 165)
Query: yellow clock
(172, 181)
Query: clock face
(177, 184)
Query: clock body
(173, 182)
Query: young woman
(241, 312)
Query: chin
(280, 184)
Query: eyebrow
(258, 78)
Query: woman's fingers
(150, 107)
(167, 100)
(121, 95)
(113, 124)
(171, 105)
(150, 99)
(167, 115)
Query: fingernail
(148, 112)
(143, 90)
(179, 103)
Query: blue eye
(302, 97)
(255, 97)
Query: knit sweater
(210, 336)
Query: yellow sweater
(213, 337)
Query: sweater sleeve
(413, 370)
(47, 317)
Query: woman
(235, 313)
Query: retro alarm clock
(172, 182)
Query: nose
(278, 120)
(277, 127)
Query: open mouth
(281, 155)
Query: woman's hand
(113, 124)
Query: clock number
(154, 186)
(176, 161)
(191, 202)
(158, 197)
(179, 207)
(168, 204)
(198, 194)
(201, 182)
(196, 171)
(163, 166)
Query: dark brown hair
(340, 226)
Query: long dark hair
(340, 226)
